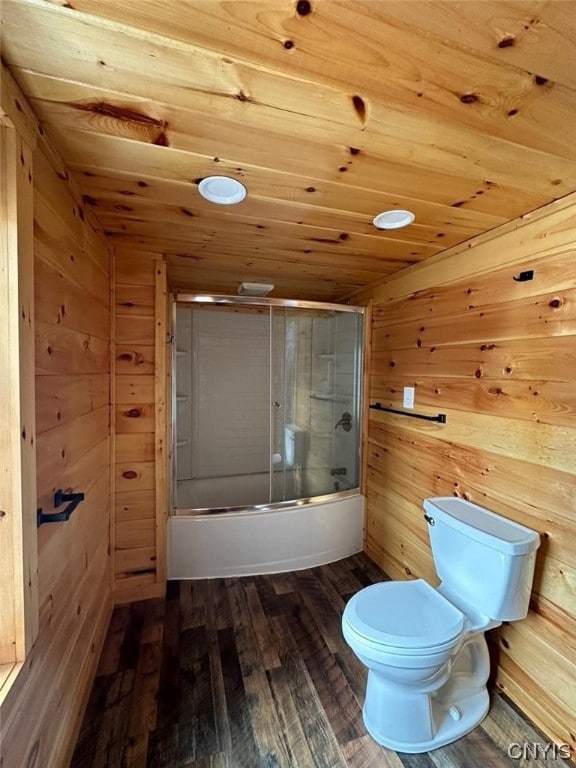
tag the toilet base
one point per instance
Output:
(471, 712)
(407, 719)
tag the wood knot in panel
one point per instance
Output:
(359, 107)
(507, 41)
(303, 7)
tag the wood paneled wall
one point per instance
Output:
(139, 358)
(40, 712)
(498, 357)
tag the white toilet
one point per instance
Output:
(424, 647)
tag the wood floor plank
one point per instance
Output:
(505, 726)
(337, 698)
(344, 581)
(168, 711)
(282, 583)
(368, 567)
(267, 733)
(241, 731)
(88, 736)
(163, 747)
(273, 603)
(330, 590)
(196, 729)
(143, 710)
(261, 628)
(186, 608)
(220, 606)
(361, 577)
(246, 643)
(114, 723)
(254, 672)
(299, 752)
(417, 761)
(222, 725)
(315, 724)
(110, 658)
(365, 753)
(315, 599)
(131, 640)
(476, 751)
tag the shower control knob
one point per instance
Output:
(455, 713)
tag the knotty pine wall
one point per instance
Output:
(140, 495)
(72, 331)
(498, 357)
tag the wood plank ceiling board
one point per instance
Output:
(329, 112)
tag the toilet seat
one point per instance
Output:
(406, 617)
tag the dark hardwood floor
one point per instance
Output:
(254, 672)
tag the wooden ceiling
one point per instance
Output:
(329, 112)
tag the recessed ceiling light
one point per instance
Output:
(222, 190)
(393, 219)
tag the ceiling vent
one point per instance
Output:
(254, 289)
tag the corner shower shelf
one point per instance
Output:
(330, 397)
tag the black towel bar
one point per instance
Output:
(60, 517)
(440, 418)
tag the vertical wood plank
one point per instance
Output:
(113, 439)
(365, 416)
(141, 417)
(161, 425)
(18, 536)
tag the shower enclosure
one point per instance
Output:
(266, 402)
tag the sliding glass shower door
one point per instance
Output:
(222, 406)
(266, 404)
(315, 383)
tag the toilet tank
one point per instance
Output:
(481, 557)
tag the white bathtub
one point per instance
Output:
(253, 542)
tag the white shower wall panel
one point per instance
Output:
(231, 393)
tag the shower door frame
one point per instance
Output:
(222, 299)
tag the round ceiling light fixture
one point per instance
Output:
(222, 190)
(393, 219)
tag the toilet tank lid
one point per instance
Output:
(484, 526)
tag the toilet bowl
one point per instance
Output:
(424, 647)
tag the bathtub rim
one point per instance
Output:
(251, 509)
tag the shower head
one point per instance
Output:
(254, 289)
